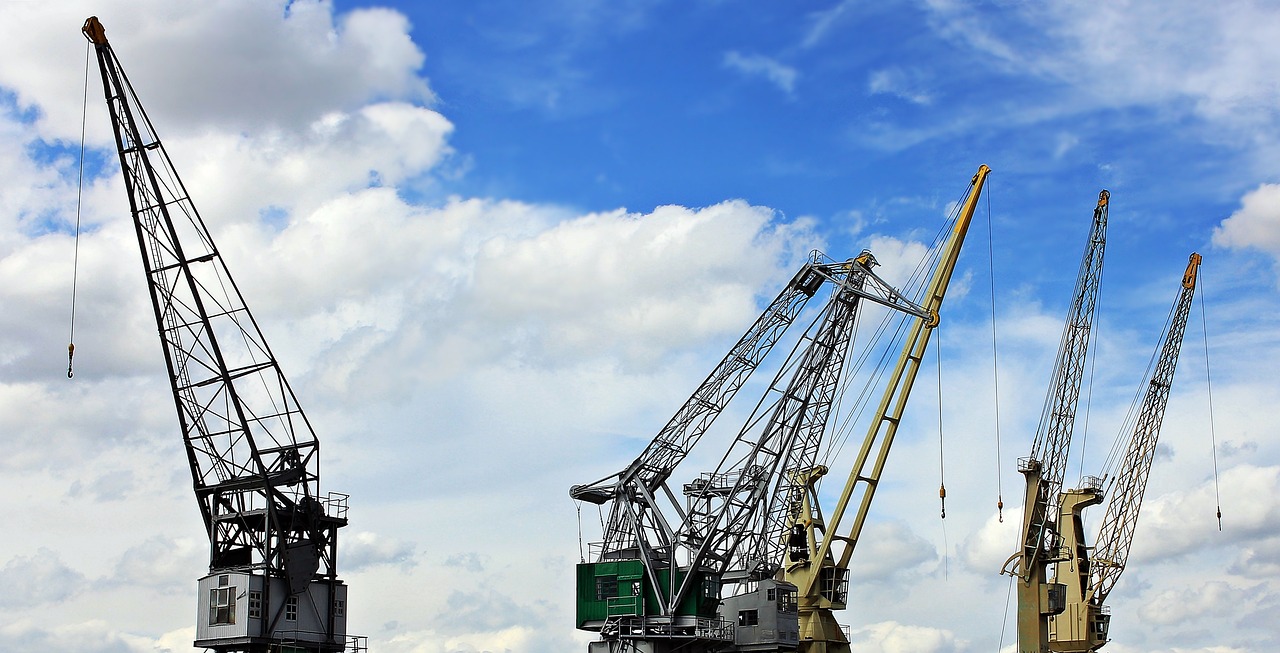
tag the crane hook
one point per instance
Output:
(71, 352)
(942, 494)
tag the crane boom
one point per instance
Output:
(740, 528)
(820, 579)
(1089, 578)
(253, 456)
(1116, 536)
(727, 532)
(1044, 468)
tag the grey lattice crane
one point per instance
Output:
(1044, 468)
(1089, 578)
(656, 579)
(254, 459)
(654, 583)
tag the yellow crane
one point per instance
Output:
(819, 574)
(1043, 469)
(1087, 579)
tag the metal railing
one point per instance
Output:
(308, 640)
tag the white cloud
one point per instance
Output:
(233, 64)
(365, 549)
(1165, 529)
(161, 564)
(889, 552)
(1256, 224)
(986, 549)
(1217, 599)
(1225, 78)
(822, 22)
(894, 637)
(778, 73)
(38, 580)
(907, 84)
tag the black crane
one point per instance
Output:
(254, 459)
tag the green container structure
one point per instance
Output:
(620, 588)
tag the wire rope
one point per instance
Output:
(75, 259)
(1088, 395)
(942, 464)
(1004, 623)
(1208, 379)
(995, 360)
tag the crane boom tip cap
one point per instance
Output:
(1103, 197)
(94, 31)
(1193, 266)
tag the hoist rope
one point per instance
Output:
(1213, 438)
(1120, 445)
(1093, 366)
(995, 361)
(942, 467)
(582, 555)
(942, 464)
(75, 257)
(914, 287)
(1004, 623)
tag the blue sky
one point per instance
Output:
(823, 109)
(494, 245)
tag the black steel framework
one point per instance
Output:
(254, 458)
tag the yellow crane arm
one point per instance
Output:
(896, 392)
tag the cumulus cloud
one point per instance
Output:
(894, 637)
(1214, 599)
(888, 552)
(1255, 225)
(987, 548)
(161, 564)
(470, 562)
(224, 63)
(1164, 530)
(38, 579)
(484, 611)
(364, 549)
(1259, 559)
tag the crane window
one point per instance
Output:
(711, 587)
(339, 608)
(786, 601)
(606, 587)
(255, 605)
(222, 606)
(291, 609)
(748, 617)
